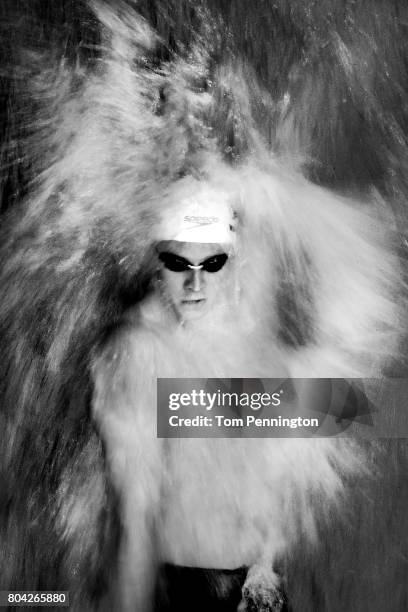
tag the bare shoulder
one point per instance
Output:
(126, 359)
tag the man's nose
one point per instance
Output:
(194, 280)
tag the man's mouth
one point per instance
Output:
(193, 302)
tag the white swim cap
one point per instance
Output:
(200, 214)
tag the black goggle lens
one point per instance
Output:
(175, 263)
(214, 264)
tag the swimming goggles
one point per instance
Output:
(175, 263)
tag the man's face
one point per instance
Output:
(194, 292)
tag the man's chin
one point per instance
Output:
(192, 309)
